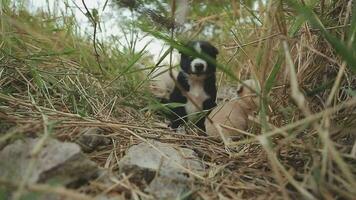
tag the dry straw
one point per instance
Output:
(301, 144)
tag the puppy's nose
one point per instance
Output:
(199, 67)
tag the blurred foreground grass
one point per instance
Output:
(303, 54)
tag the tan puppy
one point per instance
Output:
(234, 113)
(161, 83)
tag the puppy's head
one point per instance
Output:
(195, 64)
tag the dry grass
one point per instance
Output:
(302, 144)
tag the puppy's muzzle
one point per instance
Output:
(198, 66)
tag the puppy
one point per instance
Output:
(196, 88)
(161, 84)
(234, 113)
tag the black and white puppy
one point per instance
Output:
(197, 88)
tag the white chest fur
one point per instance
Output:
(197, 94)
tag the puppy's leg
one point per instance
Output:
(178, 114)
(207, 105)
(178, 117)
(200, 124)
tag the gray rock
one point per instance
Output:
(58, 162)
(92, 138)
(164, 175)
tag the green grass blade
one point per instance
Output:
(340, 48)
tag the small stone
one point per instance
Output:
(92, 138)
(165, 177)
(58, 162)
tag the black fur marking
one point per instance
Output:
(179, 115)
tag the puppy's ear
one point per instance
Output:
(240, 89)
(214, 50)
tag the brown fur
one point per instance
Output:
(234, 113)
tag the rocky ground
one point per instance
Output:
(103, 164)
(162, 170)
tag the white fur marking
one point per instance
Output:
(197, 47)
(197, 94)
(198, 61)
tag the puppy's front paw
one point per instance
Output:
(173, 125)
